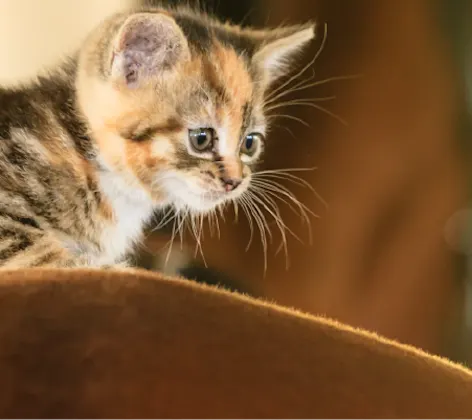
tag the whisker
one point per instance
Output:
(287, 170)
(279, 188)
(299, 101)
(236, 210)
(165, 220)
(222, 214)
(210, 223)
(247, 16)
(259, 219)
(290, 117)
(313, 191)
(193, 232)
(279, 193)
(316, 106)
(286, 129)
(197, 234)
(180, 229)
(243, 202)
(304, 69)
(274, 212)
(305, 84)
(217, 224)
(287, 174)
(171, 241)
(270, 192)
(271, 206)
(280, 174)
(299, 83)
(202, 232)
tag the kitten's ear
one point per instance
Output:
(147, 45)
(278, 49)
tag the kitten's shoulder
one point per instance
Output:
(15, 109)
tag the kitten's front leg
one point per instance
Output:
(28, 247)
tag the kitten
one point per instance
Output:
(160, 107)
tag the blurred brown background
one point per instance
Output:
(381, 255)
(388, 253)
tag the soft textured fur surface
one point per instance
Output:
(90, 151)
(109, 344)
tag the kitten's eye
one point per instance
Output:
(251, 143)
(202, 139)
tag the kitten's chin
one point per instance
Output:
(196, 203)
(185, 199)
(191, 198)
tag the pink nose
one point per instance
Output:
(230, 184)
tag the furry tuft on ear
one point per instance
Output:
(147, 45)
(273, 59)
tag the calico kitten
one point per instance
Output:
(160, 107)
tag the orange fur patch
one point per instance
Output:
(233, 75)
(230, 72)
(140, 160)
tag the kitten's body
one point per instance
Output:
(88, 153)
(53, 192)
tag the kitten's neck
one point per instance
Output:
(132, 208)
(59, 90)
(106, 235)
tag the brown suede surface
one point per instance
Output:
(132, 344)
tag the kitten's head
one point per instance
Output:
(175, 101)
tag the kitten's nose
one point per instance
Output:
(230, 184)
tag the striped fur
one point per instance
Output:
(85, 159)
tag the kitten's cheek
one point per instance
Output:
(163, 148)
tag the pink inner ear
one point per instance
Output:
(148, 45)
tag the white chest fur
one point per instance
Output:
(132, 208)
